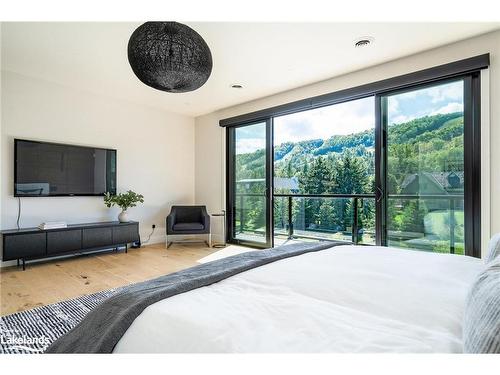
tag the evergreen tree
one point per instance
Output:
(351, 175)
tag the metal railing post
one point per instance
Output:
(241, 213)
(452, 226)
(290, 218)
(355, 220)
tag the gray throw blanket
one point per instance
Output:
(105, 325)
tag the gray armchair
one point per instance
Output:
(188, 220)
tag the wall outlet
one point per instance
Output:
(153, 226)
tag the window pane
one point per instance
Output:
(425, 168)
(328, 150)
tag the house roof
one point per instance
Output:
(442, 179)
(290, 183)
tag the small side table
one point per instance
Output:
(221, 244)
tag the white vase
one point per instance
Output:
(123, 217)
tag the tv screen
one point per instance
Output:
(52, 169)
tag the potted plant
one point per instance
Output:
(124, 201)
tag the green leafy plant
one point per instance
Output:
(123, 200)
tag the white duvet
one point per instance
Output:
(344, 299)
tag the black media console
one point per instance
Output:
(33, 243)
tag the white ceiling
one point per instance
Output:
(266, 58)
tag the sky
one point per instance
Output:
(434, 100)
(353, 117)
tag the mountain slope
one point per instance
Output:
(429, 131)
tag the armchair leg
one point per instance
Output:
(209, 243)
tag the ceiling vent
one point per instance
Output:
(363, 42)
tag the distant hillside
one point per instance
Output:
(429, 129)
(426, 128)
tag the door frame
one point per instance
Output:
(230, 185)
(472, 157)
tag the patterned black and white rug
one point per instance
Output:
(32, 331)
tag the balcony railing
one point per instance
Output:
(355, 200)
(352, 219)
(351, 230)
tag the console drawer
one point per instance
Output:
(96, 237)
(24, 246)
(125, 234)
(64, 241)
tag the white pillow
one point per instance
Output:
(493, 248)
(481, 328)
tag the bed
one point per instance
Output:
(319, 297)
(343, 299)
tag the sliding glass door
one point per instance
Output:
(431, 179)
(397, 168)
(425, 172)
(249, 181)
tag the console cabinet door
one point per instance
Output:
(97, 237)
(64, 241)
(31, 245)
(125, 234)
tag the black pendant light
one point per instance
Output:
(169, 56)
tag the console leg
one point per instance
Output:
(24, 265)
(126, 248)
(18, 262)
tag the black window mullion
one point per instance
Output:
(476, 169)
(472, 165)
(229, 184)
(380, 169)
(269, 182)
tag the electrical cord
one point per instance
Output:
(149, 237)
(18, 212)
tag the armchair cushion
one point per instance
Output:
(188, 226)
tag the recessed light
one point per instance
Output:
(364, 41)
(236, 86)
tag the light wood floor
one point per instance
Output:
(61, 279)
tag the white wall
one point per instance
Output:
(209, 170)
(1, 122)
(155, 151)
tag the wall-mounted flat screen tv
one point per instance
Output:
(53, 169)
